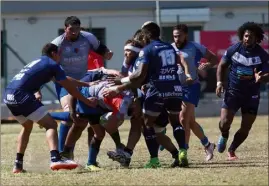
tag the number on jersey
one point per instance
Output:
(168, 57)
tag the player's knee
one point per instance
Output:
(100, 134)
(224, 124)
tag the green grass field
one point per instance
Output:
(250, 169)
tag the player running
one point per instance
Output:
(249, 67)
(192, 53)
(19, 98)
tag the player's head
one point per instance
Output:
(51, 51)
(250, 33)
(180, 35)
(151, 31)
(138, 35)
(131, 50)
(72, 27)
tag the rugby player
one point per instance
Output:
(157, 65)
(19, 98)
(192, 53)
(75, 46)
(248, 68)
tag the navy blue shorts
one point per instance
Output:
(23, 105)
(155, 103)
(247, 101)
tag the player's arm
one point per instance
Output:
(78, 83)
(181, 60)
(133, 81)
(221, 72)
(262, 75)
(72, 101)
(211, 58)
(60, 78)
(97, 46)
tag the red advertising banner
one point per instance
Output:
(219, 41)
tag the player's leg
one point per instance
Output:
(199, 132)
(151, 141)
(185, 118)
(249, 111)
(50, 125)
(73, 135)
(152, 108)
(64, 126)
(173, 106)
(23, 139)
(230, 106)
(99, 134)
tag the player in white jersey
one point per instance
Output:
(192, 52)
(74, 46)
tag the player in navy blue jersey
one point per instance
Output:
(157, 66)
(19, 98)
(248, 65)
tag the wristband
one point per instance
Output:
(219, 83)
(125, 80)
(188, 75)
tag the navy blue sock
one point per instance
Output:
(55, 156)
(62, 116)
(93, 151)
(151, 142)
(179, 135)
(63, 131)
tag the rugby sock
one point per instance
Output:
(116, 138)
(62, 116)
(55, 156)
(63, 131)
(174, 154)
(179, 135)
(93, 151)
(205, 141)
(151, 142)
(19, 161)
(239, 138)
(187, 146)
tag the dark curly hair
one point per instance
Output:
(253, 27)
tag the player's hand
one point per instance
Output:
(189, 81)
(93, 101)
(204, 66)
(114, 80)
(109, 55)
(219, 90)
(94, 83)
(258, 76)
(38, 96)
(111, 92)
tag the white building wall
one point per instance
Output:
(218, 21)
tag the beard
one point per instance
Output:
(181, 45)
